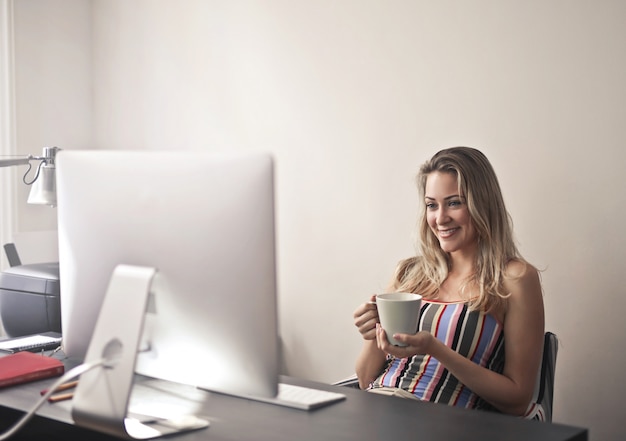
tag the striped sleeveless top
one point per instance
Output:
(474, 334)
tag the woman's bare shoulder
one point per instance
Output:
(519, 269)
(522, 278)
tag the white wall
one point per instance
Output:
(351, 97)
(52, 89)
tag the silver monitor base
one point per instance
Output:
(102, 396)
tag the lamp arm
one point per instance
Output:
(17, 161)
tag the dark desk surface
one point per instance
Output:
(362, 416)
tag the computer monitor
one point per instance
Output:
(205, 222)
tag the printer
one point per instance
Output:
(30, 299)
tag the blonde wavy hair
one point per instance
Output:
(479, 185)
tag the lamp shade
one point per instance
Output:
(43, 190)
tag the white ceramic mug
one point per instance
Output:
(399, 313)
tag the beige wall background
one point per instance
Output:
(351, 97)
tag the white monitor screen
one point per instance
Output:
(206, 223)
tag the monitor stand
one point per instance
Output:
(101, 399)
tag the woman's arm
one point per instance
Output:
(511, 391)
(369, 363)
(371, 359)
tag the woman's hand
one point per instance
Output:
(366, 318)
(420, 343)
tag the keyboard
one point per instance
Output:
(298, 397)
(32, 343)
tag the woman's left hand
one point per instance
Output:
(419, 343)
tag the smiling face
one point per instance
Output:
(447, 214)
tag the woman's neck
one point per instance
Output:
(461, 265)
(456, 287)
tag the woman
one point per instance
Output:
(479, 297)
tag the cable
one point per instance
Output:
(30, 166)
(72, 373)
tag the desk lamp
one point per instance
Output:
(43, 190)
(29, 294)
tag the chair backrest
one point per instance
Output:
(544, 390)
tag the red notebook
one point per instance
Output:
(28, 366)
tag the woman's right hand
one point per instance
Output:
(365, 319)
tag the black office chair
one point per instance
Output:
(544, 390)
(541, 407)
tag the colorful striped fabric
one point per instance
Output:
(474, 334)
